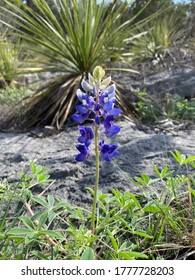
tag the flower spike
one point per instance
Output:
(100, 105)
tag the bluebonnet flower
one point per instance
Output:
(98, 100)
(109, 128)
(84, 151)
(86, 135)
(85, 108)
(107, 151)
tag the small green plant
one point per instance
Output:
(148, 110)
(174, 107)
(179, 108)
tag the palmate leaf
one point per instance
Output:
(88, 254)
(70, 40)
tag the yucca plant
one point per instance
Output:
(9, 61)
(70, 39)
(157, 37)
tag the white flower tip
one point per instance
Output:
(106, 81)
(86, 86)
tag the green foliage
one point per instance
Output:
(153, 7)
(147, 109)
(128, 225)
(174, 107)
(155, 39)
(9, 61)
(76, 38)
(12, 95)
(179, 108)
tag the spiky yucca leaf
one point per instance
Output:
(9, 61)
(157, 37)
(71, 40)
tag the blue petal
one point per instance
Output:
(106, 157)
(80, 157)
(80, 95)
(86, 86)
(89, 133)
(113, 130)
(90, 102)
(108, 105)
(108, 121)
(77, 118)
(81, 109)
(81, 139)
(115, 111)
(112, 96)
(105, 148)
(101, 143)
(97, 107)
(81, 130)
(85, 116)
(112, 148)
(101, 99)
(114, 154)
(94, 90)
(82, 149)
(97, 120)
(111, 89)
(87, 142)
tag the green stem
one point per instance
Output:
(96, 179)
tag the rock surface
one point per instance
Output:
(138, 151)
(174, 76)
